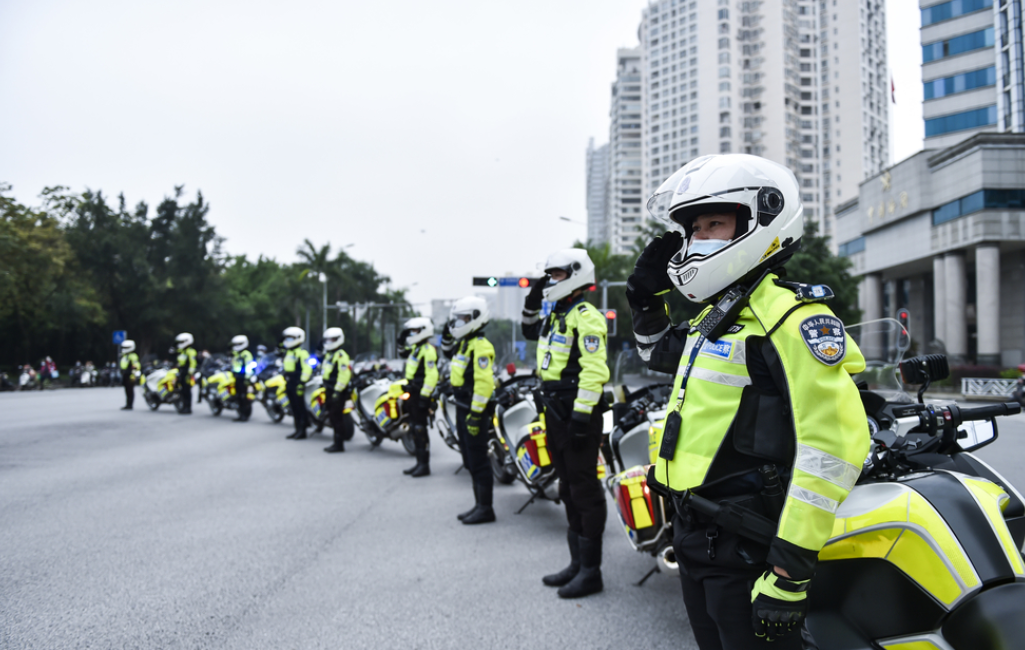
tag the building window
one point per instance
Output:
(724, 132)
(724, 57)
(850, 248)
(724, 147)
(981, 200)
(724, 72)
(724, 43)
(724, 14)
(960, 83)
(986, 116)
(957, 45)
(724, 86)
(952, 9)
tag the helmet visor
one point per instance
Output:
(737, 183)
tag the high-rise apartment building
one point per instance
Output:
(800, 82)
(971, 69)
(597, 192)
(625, 193)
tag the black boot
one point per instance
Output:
(588, 579)
(423, 467)
(563, 577)
(481, 515)
(300, 434)
(476, 501)
(293, 435)
(337, 446)
(412, 469)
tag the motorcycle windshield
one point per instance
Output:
(883, 342)
(631, 371)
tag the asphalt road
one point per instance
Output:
(156, 530)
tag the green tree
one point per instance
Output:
(814, 263)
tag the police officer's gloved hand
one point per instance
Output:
(650, 278)
(579, 429)
(533, 301)
(424, 401)
(448, 342)
(473, 423)
(778, 605)
(329, 395)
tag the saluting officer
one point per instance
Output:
(186, 369)
(337, 372)
(297, 370)
(571, 353)
(421, 378)
(765, 422)
(241, 361)
(473, 383)
(129, 366)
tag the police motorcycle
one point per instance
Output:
(269, 385)
(160, 387)
(505, 425)
(383, 414)
(645, 517)
(27, 380)
(926, 549)
(218, 385)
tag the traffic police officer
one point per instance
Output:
(421, 378)
(571, 357)
(337, 372)
(473, 383)
(766, 433)
(297, 370)
(129, 366)
(241, 360)
(186, 369)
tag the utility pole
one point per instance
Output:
(605, 284)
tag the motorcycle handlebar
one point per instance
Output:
(986, 412)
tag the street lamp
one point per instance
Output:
(581, 223)
(323, 280)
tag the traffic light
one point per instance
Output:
(525, 282)
(490, 281)
(610, 321)
(904, 336)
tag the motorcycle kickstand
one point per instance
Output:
(459, 469)
(647, 575)
(533, 495)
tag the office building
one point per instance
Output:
(597, 192)
(800, 82)
(625, 194)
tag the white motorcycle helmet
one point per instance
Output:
(579, 268)
(183, 340)
(333, 337)
(128, 345)
(770, 220)
(293, 337)
(239, 343)
(468, 315)
(416, 330)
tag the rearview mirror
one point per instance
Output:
(925, 369)
(974, 435)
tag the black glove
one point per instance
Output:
(649, 278)
(329, 395)
(778, 605)
(448, 342)
(424, 401)
(473, 421)
(579, 430)
(533, 301)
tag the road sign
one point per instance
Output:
(495, 281)
(120, 336)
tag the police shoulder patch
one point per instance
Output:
(591, 343)
(824, 335)
(430, 364)
(483, 362)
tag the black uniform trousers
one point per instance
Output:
(417, 419)
(717, 585)
(185, 387)
(126, 381)
(341, 421)
(297, 402)
(576, 465)
(245, 407)
(475, 455)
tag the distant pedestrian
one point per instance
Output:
(129, 366)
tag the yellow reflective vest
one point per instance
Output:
(187, 359)
(240, 362)
(474, 362)
(815, 427)
(422, 368)
(337, 368)
(296, 365)
(130, 361)
(571, 345)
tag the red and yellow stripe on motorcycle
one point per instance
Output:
(634, 500)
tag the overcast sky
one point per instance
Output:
(443, 139)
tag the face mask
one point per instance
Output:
(706, 246)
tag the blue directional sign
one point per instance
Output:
(120, 336)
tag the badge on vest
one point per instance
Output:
(591, 343)
(824, 336)
(482, 362)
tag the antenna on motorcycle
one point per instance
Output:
(924, 370)
(511, 369)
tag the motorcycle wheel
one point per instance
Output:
(503, 473)
(275, 412)
(179, 404)
(409, 443)
(215, 406)
(374, 438)
(152, 402)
